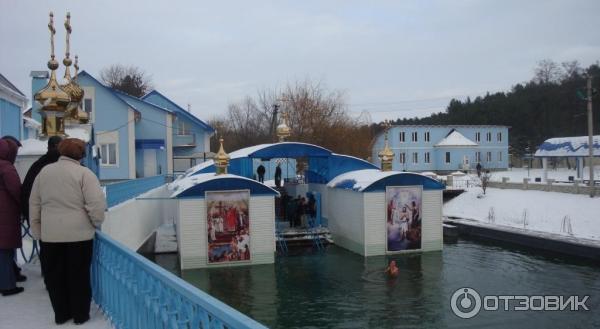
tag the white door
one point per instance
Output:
(149, 163)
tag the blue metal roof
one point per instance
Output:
(181, 111)
(196, 186)
(374, 180)
(290, 150)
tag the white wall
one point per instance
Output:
(193, 234)
(23, 163)
(432, 236)
(346, 219)
(132, 222)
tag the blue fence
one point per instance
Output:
(136, 293)
(126, 190)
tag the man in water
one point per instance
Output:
(392, 270)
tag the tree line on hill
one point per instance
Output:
(552, 104)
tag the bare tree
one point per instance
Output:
(485, 180)
(571, 70)
(547, 71)
(128, 79)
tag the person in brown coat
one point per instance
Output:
(10, 221)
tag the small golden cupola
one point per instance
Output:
(221, 160)
(53, 99)
(386, 155)
(283, 130)
(74, 113)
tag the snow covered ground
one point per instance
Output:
(516, 175)
(31, 309)
(531, 210)
(166, 239)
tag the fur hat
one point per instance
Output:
(73, 148)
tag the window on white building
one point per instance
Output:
(87, 106)
(427, 137)
(499, 136)
(402, 137)
(499, 156)
(447, 157)
(415, 136)
(182, 128)
(108, 154)
(402, 157)
(477, 156)
(488, 157)
(488, 137)
(478, 137)
(415, 157)
(427, 159)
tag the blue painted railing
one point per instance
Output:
(126, 190)
(136, 293)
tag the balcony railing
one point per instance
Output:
(184, 140)
(136, 293)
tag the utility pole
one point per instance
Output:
(590, 133)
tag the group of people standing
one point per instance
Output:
(64, 203)
(299, 211)
(260, 171)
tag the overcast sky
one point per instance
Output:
(391, 58)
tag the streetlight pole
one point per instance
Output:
(590, 133)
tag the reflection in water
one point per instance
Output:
(338, 289)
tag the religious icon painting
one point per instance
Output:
(228, 226)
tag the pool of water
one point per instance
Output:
(339, 289)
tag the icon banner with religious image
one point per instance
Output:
(403, 213)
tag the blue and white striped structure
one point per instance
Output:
(567, 147)
(445, 148)
(136, 293)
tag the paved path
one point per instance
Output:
(31, 309)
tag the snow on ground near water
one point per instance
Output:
(545, 210)
(516, 175)
(31, 309)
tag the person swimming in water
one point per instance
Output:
(392, 270)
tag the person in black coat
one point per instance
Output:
(51, 156)
(261, 173)
(278, 175)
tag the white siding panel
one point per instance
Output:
(346, 220)
(262, 230)
(375, 226)
(432, 238)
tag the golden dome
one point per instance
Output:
(386, 155)
(221, 160)
(283, 130)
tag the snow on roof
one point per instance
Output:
(33, 146)
(81, 132)
(568, 147)
(456, 139)
(185, 183)
(361, 178)
(32, 123)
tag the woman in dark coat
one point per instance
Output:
(10, 226)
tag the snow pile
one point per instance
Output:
(456, 139)
(531, 210)
(33, 147)
(166, 239)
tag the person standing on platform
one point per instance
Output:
(71, 199)
(10, 221)
(261, 173)
(51, 156)
(20, 277)
(278, 175)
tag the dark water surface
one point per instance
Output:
(339, 289)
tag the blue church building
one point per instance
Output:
(12, 104)
(445, 148)
(135, 137)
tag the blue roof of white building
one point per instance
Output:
(197, 185)
(568, 147)
(372, 180)
(179, 110)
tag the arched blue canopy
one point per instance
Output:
(371, 180)
(323, 164)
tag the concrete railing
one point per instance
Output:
(127, 190)
(136, 293)
(577, 187)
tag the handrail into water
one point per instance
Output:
(136, 293)
(126, 190)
